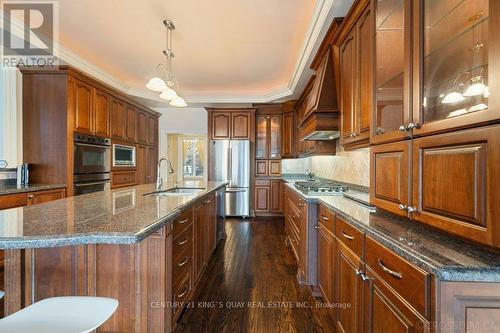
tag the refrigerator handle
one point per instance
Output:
(230, 164)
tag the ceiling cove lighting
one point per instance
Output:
(166, 84)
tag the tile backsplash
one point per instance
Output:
(346, 166)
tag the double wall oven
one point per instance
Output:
(92, 163)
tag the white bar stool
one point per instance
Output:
(78, 314)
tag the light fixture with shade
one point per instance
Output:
(166, 84)
(178, 102)
(476, 87)
(454, 96)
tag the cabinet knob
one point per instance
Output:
(31, 196)
(316, 227)
(403, 207)
(402, 128)
(413, 125)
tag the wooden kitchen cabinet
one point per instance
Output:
(240, 125)
(392, 71)
(118, 119)
(268, 197)
(152, 130)
(356, 76)
(261, 168)
(456, 180)
(274, 167)
(268, 141)
(83, 107)
(45, 196)
(13, 200)
(231, 124)
(92, 110)
(101, 113)
(276, 202)
(288, 135)
(123, 178)
(199, 227)
(454, 49)
(152, 165)
(211, 226)
(390, 175)
(142, 127)
(141, 157)
(350, 290)
(385, 312)
(262, 197)
(130, 123)
(326, 260)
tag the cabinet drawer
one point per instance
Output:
(123, 178)
(182, 222)
(45, 196)
(183, 241)
(13, 200)
(262, 182)
(182, 265)
(349, 236)
(327, 218)
(409, 281)
(180, 295)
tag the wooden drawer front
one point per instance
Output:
(182, 265)
(262, 182)
(182, 222)
(45, 196)
(349, 236)
(182, 242)
(456, 181)
(407, 280)
(13, 200)
(180, 295)
(294, 241)
(327, 218)
(123, 178)
(296, 199)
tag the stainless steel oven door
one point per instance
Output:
(91, 158)
(91, 187)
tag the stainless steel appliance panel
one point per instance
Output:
(219, 163)
(237, 202)
(240, 163)
(91, 187)
(123, 156)
(220, 198)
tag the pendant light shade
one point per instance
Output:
(453, 97)
(168, 94)
(476, 88)
(156, 84)
(178, 102)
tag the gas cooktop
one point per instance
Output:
(320, 188)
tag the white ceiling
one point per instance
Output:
(226, 50)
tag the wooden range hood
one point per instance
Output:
(322, 117)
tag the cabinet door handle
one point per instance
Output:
(403, 207)
(397, 275)
(186, 288)
(31, 196)
(182, 242)
(208, 201)
(324, 218)
(316, 227)
(186, 259)
(184, 221)
(347, 236)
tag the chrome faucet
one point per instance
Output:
(159, 179)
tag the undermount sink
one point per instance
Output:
(177, 191)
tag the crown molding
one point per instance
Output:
(320, 15)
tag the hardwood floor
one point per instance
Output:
(251, 268)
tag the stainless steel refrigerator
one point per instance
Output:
(230, 161)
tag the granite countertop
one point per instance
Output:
(448, 258)
(120, 216)
(6, 188)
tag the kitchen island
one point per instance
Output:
(146, 249)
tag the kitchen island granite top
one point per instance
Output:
(120, 216)
(447, 257)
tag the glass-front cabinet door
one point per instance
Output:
(275, 137)
(262, 144)
(392, 75)
(456, 45)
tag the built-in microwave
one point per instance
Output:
(123, 156)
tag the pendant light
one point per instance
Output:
(454, 96)
(166, 84)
